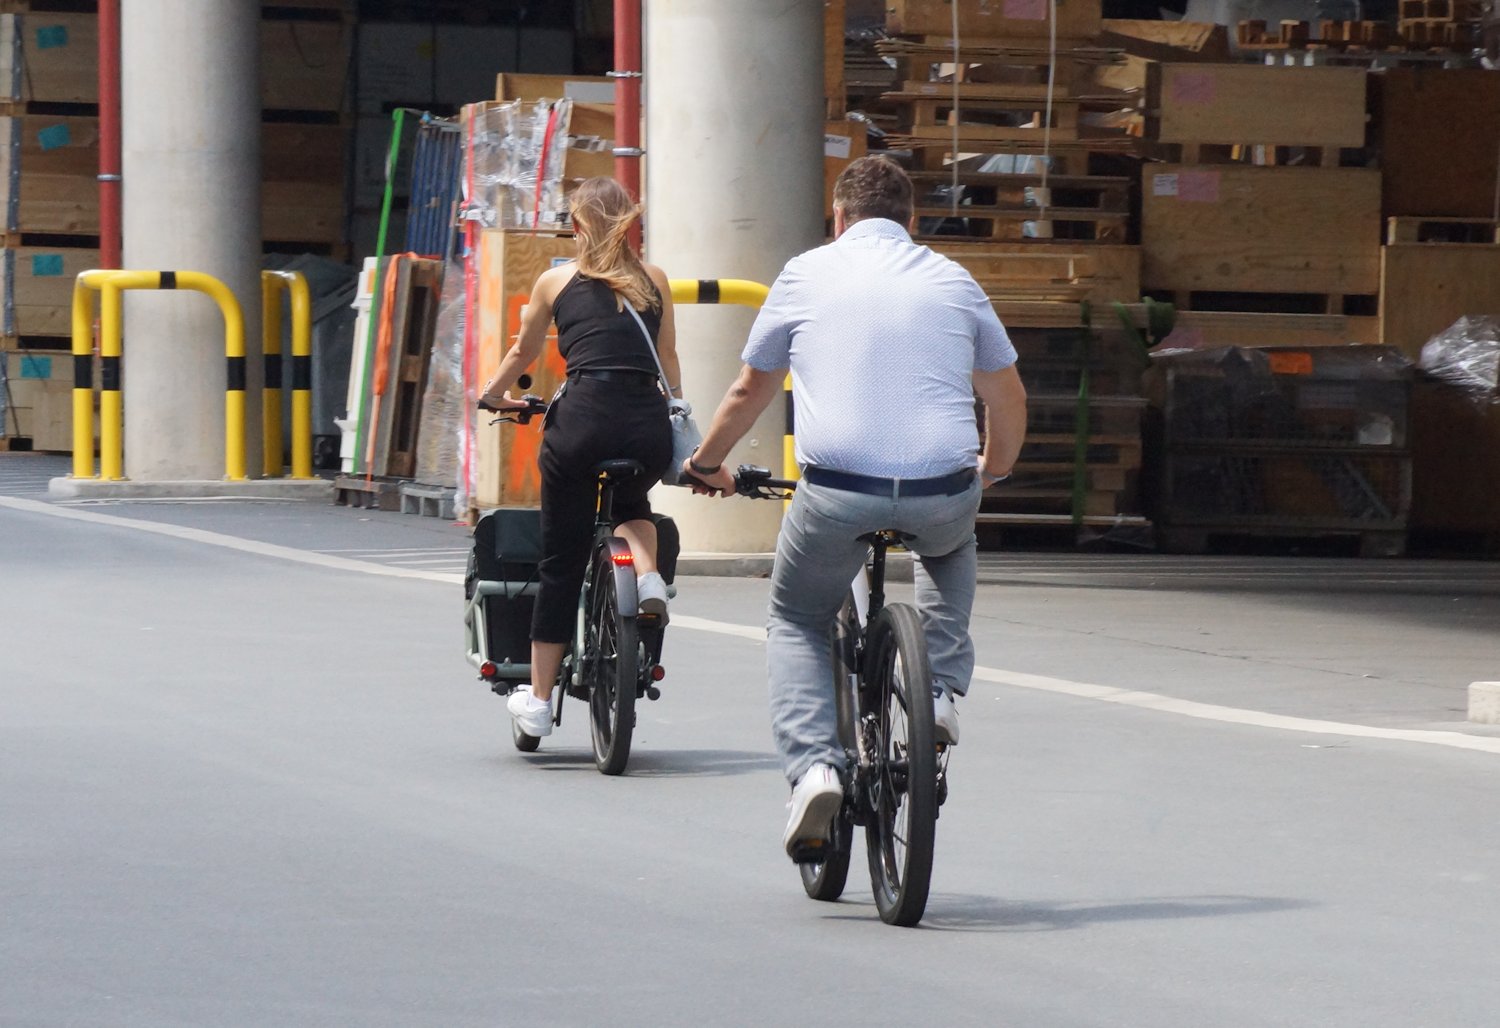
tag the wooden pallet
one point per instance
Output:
(372, 494)
(1009, 207)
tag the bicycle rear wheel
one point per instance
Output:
(896, 710)
(826, 881)
(612, 657)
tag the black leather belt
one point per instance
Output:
(942, 485)
(616, 375)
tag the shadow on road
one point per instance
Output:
(952, 912)
(699, 763)
(661, 763)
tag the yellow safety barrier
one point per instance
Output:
(273, 285)
(111, 284)
(747, 294)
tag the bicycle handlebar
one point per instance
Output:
(516, 415)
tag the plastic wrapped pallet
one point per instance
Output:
(444, 405)
(515, 154)
(1467, 355)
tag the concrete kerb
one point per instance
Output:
(1484, 703)
(254, 488)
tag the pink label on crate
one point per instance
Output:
(1198, 186)
(1193, 87)
(1026, 10)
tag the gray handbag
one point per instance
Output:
(685, 434)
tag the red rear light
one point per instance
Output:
(487, 669)
(623, 558)
(658, 673)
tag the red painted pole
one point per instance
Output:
(109, 133)
(627, 76)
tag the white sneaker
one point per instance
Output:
(815, 800)
(533, 716)
(944, 717)
(652, 591)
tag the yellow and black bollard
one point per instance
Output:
(273, 284)
(111, 284)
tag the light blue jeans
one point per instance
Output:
(817, 556)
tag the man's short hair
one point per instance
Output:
(873, 187)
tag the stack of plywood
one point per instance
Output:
(1253, 213)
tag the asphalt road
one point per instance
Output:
(242, 787)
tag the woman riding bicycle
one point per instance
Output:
(611, 407)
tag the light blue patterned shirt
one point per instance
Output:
(882, 337)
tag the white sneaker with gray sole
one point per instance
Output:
(816, 799)
(532, 716)
(652, 591)
(944, 718)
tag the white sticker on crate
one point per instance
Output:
(836, 146)
(1164, 185)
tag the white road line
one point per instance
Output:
(998, 676)
(230, 542)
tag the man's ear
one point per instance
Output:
(838, 221)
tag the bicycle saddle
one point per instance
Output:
(620, 469)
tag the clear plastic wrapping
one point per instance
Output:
(1467, 355)
(517, 150)
(444, 405)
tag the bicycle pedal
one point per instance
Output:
(811, 851)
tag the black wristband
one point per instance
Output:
(699, 469)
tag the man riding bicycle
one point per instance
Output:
(887, 343)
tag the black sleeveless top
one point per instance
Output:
(595, 334)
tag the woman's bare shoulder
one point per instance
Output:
(551, 282)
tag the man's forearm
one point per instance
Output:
(1004, 417)
(745, 401)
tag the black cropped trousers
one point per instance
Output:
(593, 421)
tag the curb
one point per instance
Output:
(250, 489)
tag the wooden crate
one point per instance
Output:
(39, 403)
(52, 163)
(304, 65)
(36, 289)
(505, 471)
(1021, 19)
(1261, 230)
(589, 89)
(49, 57)
(1435, 129)
(1426, 287)
(53, 57)
(1249, 103)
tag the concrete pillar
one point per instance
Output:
(734, 187)
(190, 89)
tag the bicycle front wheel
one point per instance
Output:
(896, 712)
(612, 659)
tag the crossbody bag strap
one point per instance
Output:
(666, 387)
